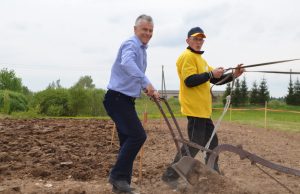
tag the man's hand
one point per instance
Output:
(218, 72)
(239, 71)
(150, 91)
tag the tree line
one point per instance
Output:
(258, 94)
(82, 99)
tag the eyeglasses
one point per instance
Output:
(197, 39)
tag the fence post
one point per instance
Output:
(266, 108)
(113, 135)
(230, 112)
(141, 154)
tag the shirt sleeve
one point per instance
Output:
(129, 58)
(196, 79)
(226, 78)
(188, 68)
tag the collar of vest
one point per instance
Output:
(198, 52)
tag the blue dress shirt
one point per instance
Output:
(128, 71)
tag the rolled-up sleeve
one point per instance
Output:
(145, 82)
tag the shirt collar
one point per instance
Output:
(140, 43)
(198, 52)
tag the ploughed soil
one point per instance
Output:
(74, 156)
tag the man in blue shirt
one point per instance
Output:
(126, 82)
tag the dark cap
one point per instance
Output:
(196, 31)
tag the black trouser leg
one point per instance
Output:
(130, 131)
(213, 144)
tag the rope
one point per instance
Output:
(228, 100)
(281, 184)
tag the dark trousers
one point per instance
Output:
(121, 109)
(199, 131)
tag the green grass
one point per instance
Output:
(2, 116)
(275, 120)
(284, 121)
(152, 109)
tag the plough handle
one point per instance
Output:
(170, 127)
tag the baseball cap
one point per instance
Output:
(196, 31)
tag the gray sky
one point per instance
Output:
(44, 41)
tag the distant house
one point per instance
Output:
(169, 93)
(175, 93)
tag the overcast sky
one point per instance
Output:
(43, 41)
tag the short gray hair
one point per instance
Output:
(143, 17)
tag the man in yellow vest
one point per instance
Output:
(195, 98)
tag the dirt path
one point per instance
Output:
(74, 156)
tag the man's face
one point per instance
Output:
(144, 30)
(195, 42)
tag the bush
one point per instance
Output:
(30, 113)
(52, 102)
(276, 104)
(12, 102)
(55, 110)
(86, 102)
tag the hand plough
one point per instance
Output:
(187, 166)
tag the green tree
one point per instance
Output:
(227, 92)
(254, 94)
(263, 93)
(82, 99)
(85, 82)
(9, 81)
(85, 100)
(244, 92)
(54, 85)
(96, 105)
(79, 100)
(297, 92)
(236, 97)
(289, 99)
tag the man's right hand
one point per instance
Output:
(218, 72)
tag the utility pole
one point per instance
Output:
(163, 83)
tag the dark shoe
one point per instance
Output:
(170, 174)
(120, 185)
(170, 177)
(115, 190)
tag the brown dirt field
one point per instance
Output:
(73, 156)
